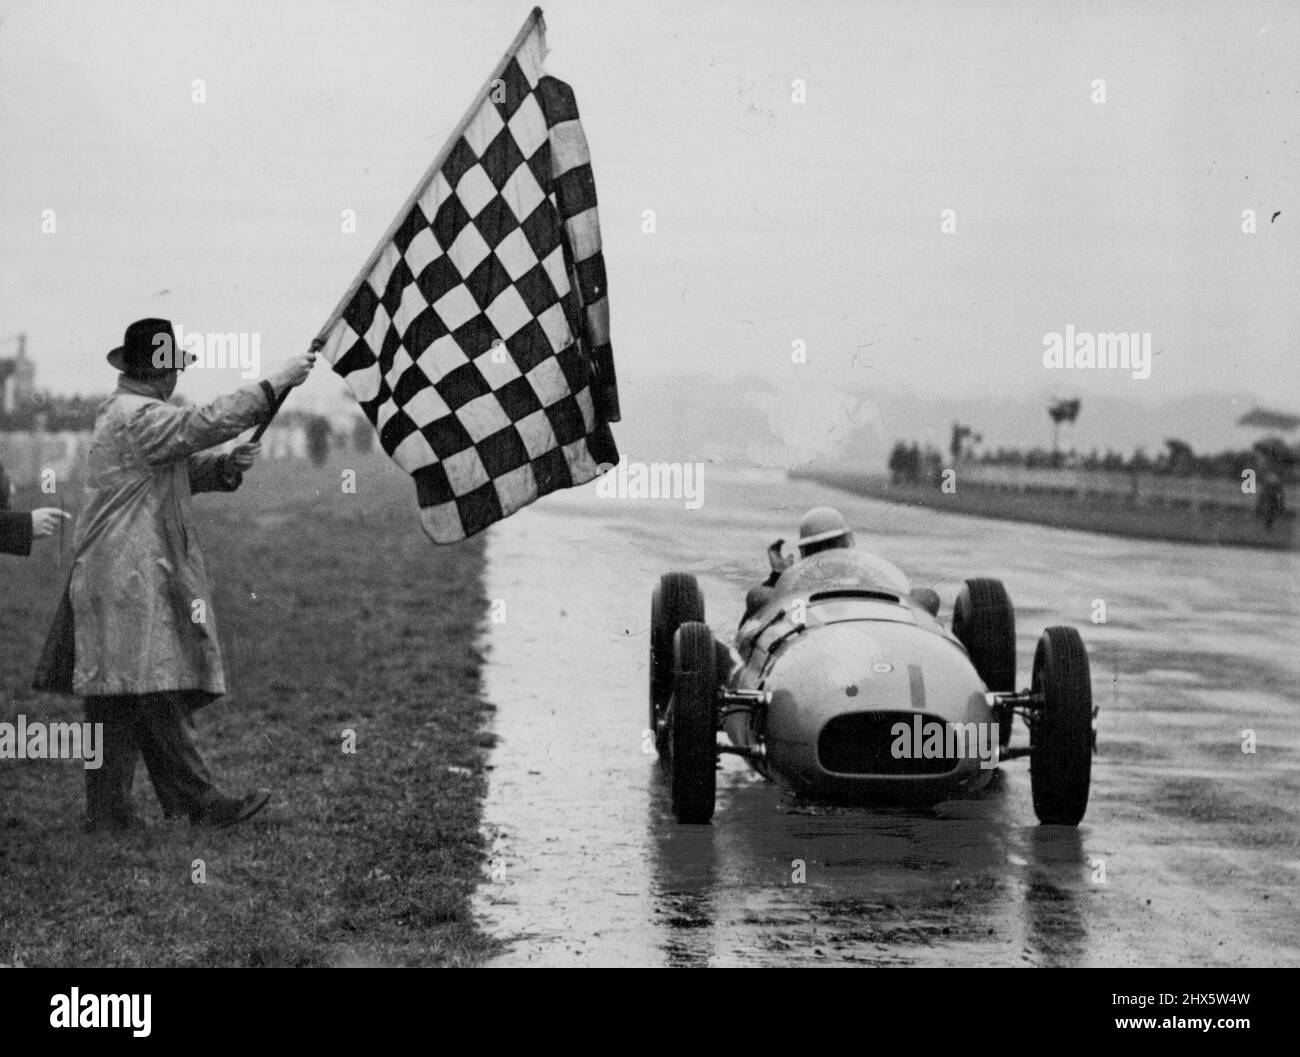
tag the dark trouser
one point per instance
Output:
(159, 728)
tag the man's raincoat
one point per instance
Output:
(136, 616)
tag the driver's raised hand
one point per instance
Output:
(777, 559)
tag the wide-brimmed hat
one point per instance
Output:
(149, 349)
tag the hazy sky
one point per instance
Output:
(775, 221)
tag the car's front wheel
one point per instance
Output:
(693, 724)
(1060, 731)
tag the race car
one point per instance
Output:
(844, 686)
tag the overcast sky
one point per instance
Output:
(775, 220)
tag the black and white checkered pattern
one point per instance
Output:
(478, 344)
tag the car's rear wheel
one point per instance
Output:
(676, 601)
(1060, 734)
(693, 724)
(985, 623)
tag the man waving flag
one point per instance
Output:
(476, 337)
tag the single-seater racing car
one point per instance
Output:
(844, 686)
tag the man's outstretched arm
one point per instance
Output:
(166, 433)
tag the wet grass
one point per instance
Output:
(336, 614)
(1107, 516)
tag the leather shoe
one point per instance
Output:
(229, 810)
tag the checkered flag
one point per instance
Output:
(476, 338)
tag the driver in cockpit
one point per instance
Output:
(827, 559)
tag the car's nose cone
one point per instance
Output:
(838, 694)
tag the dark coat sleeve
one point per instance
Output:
(213, 473)
(15, 532)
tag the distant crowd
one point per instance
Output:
(55, 413)
(915, 464)
(1273, 463)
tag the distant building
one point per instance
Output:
(17, 378)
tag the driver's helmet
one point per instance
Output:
(822, 528)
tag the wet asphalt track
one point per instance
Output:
(1189, 854)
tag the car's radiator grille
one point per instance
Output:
(862, 743)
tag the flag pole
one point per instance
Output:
(275, 410)
(534, 20)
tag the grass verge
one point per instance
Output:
(336, 613)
